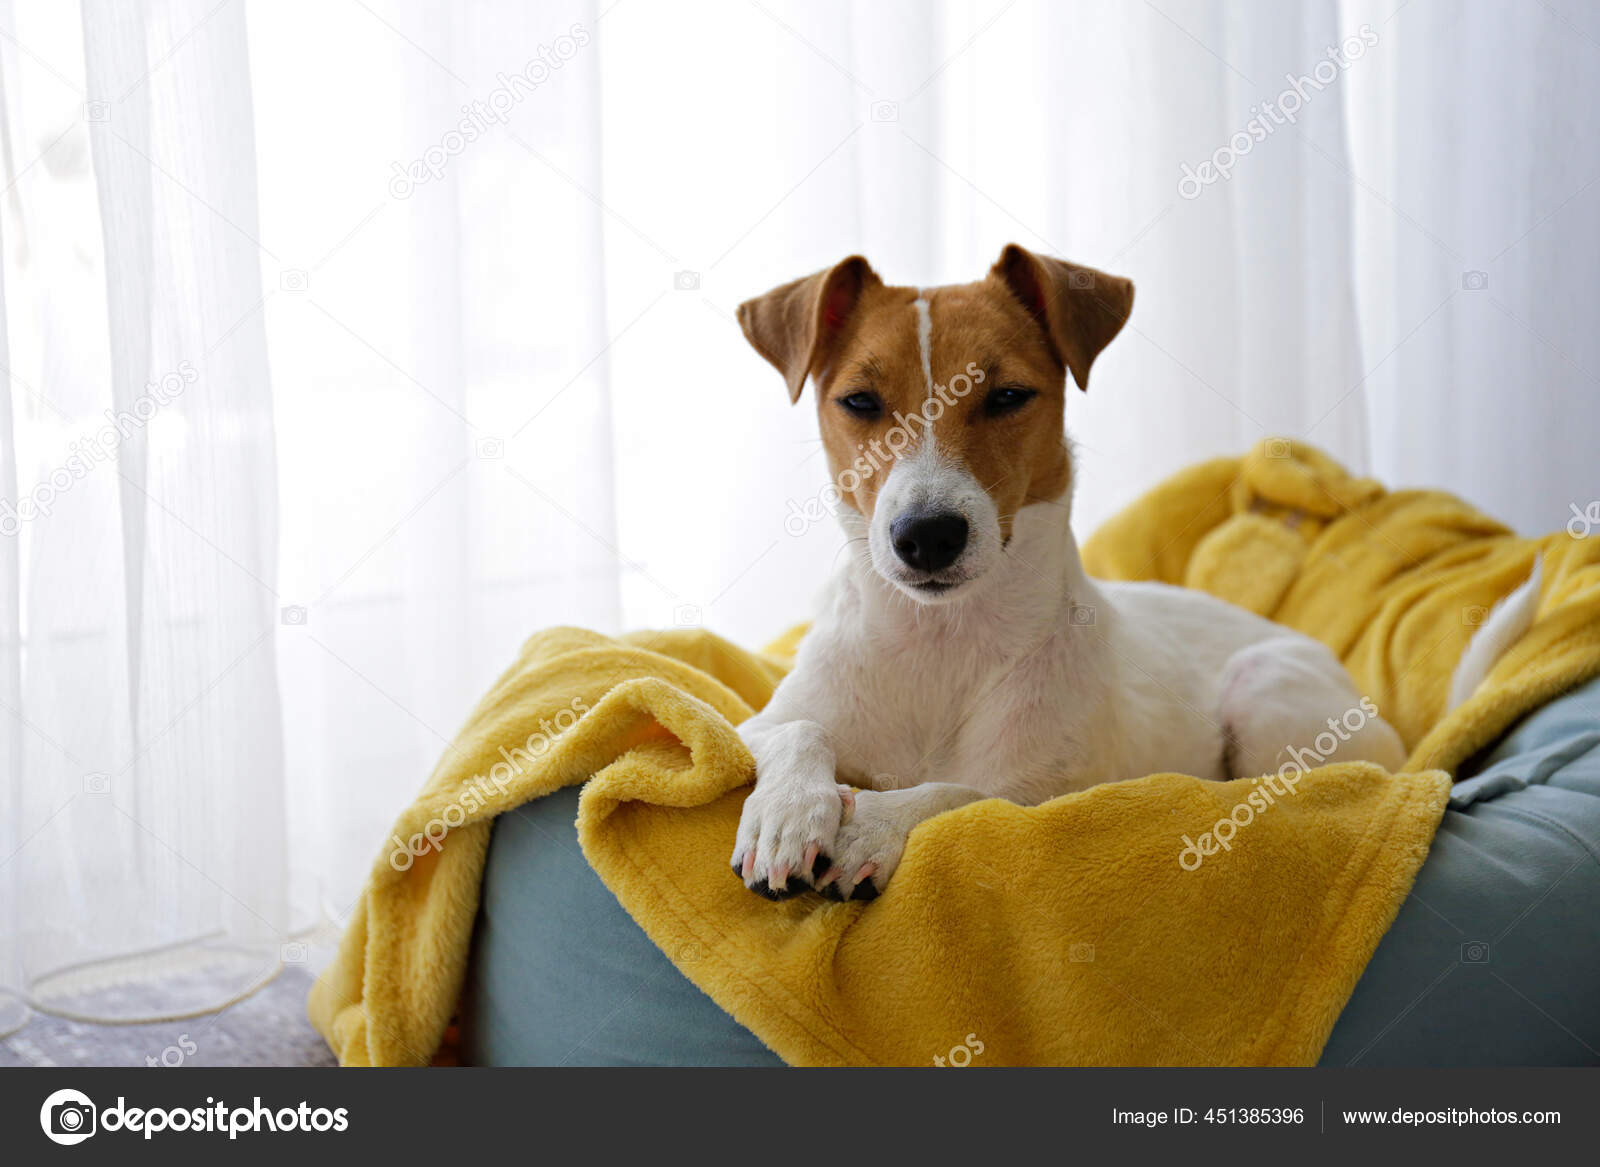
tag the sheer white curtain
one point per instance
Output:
(1477, 135)
(439, 344)
(144, 829)
(441, 297)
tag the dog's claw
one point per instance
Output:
(860, 893)
(832, 886)
(864, 888)
(766, 891)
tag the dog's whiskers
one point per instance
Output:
(998, 481)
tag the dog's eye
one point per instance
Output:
(1007, 399)
(862, 404)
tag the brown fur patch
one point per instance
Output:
(1018, 457)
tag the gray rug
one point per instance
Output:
(267, 1029)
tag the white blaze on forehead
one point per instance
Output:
(925, 337)
(925, 344)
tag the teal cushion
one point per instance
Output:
(1493, 959)
(562, 976)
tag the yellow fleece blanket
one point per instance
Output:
(1083, 931)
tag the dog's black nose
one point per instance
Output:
(929, 542)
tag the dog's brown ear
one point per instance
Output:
(1080, 309)
(798, 326)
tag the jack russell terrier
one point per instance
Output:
(961, 652)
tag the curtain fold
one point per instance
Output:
(148, 873)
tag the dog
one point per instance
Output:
(960, 651)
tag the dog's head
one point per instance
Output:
(941, 408)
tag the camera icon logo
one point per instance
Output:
(885, 111)
(1080, 281)
(293, 280)
(293, 952)
(686, 615)
(1080, 953)
(97, 111)
(1474, 614)
(686, 281)
(1475, 952)
(1278, 448)
(1474, 281)
(97, 783)
(67, 1117)
(1081, 615)
(489, 448)
(293, 614)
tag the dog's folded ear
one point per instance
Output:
(798, 326)
(1080, 309)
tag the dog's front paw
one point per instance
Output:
(783, 831)
(866, 849)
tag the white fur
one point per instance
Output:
(925, 339)
(1511, 617)
(1031, 681)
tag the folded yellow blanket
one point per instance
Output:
(1122, 925)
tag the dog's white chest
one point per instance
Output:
(953, 713)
